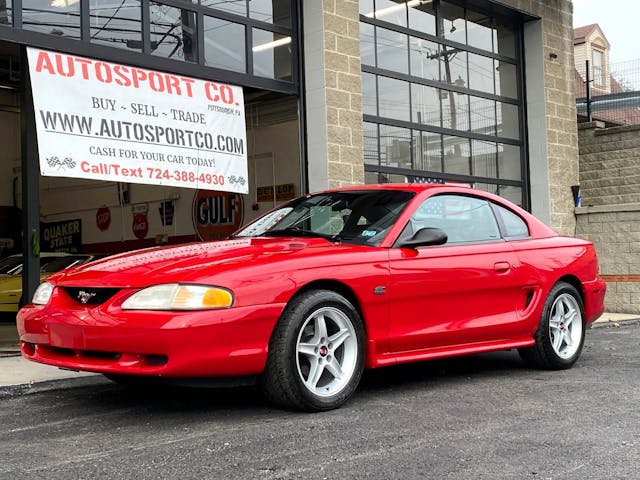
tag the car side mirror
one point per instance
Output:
(425, 237)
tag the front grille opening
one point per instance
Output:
(100, 355)
(90, 296)
(157, 360)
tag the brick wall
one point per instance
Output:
(610, 212)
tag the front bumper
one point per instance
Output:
(213, 343)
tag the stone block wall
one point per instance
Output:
(610, 211)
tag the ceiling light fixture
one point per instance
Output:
(269, 45)
(394, 8)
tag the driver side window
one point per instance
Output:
(463, 218)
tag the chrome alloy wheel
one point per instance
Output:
(326, 351)
(565, 326)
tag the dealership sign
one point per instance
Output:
(65, 236)
(107, 121)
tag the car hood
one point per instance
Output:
(191, 262)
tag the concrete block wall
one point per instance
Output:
(610, 212)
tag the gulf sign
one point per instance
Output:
(216, 215)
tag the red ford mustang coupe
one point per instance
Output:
(310, 294)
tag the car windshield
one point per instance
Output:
(62, 262)
(360, 217)
(7, 265)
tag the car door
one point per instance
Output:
(465, 291)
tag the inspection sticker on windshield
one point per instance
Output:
(368, 233)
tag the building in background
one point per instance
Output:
(336, 92)
(609, 149)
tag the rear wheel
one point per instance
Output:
(560, 335)
(316, 353)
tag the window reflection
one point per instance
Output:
(173, 32)
(426, 104)
(277, 12)
(393, 99)
(224, 45)
(483, 115)
(481, 73)
(509, 165)
(508, 120)
(57, 17)
(238, 7)
(457, 153)
(506, 80)
(422, 17)
(428, 151)
(453, 23)
(271, 54)
(390, 11)
(116, 24)
(484, 159)
(395, 146)
(392, 50)
(424, 57)
(6, 17)
(367, 45)
(370, 143)
(479, 30)
(369, 94)
(455, 110)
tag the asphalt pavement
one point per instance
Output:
(478, 417)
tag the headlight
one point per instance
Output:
(42, 294)
(174, 296)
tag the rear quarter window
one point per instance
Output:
(514, 225)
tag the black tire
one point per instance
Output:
(558, 346)
(297, 350)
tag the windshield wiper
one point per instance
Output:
(298, 232)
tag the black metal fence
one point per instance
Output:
(609, 93)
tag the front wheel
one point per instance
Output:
(560, 335)
(316, 353)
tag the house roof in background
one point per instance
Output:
(580, 34)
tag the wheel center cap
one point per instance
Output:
(323, 351)
(561, 326)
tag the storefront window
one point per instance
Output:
(5, 12)
(237, 7)
(271, 54)
(173, 32)
(56, 17)
(459, 97)
(116, 25)
(224, 45)
(277, 12)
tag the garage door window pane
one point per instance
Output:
(117, 25)
(271, 55)
(393, 99)
(392, 50)
(277, 12)
(173, 32)
(53, 17)
(224, 45)
(237, 7)
(395, 146)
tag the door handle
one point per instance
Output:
(502, 267)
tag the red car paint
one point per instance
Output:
(416, 303)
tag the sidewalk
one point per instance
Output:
(18, 376)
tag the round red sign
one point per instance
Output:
(216, 215)
(140, 225)
(103, 218)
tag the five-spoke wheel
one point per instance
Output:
(560, 335)
(316, 353)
